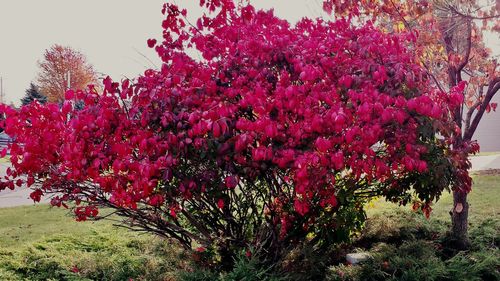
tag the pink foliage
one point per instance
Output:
(307, 108)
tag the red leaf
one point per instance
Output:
(301, 207)
(216, 129)
(231, 182)
(3, 152)
(36, 195)
(220, 203)
(30, 181)
(70, 94)
(151, 43)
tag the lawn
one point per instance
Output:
(483, 201)
(44, 243)
(28, 224)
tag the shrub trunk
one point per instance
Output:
(459, 220)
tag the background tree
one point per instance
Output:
(32, 94)
(451, 47)
(53, 78)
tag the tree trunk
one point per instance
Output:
(459, 220)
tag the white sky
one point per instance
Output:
(111, 33)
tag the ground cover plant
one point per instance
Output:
(274, 139)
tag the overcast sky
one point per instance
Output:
(111, 33)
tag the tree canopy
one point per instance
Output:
(63, 68)
(451, 47)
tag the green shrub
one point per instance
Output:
(486, 234)
(415, 260)
(245, 269)
(475, 266)
(98, 257)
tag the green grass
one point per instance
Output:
(26, 224)
(44, 243)
(483, 202)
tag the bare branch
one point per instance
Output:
(470, 17)
(433, 77)
(493, 88)
(469, 114)
(468, 48)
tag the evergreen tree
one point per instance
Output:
(32, 93)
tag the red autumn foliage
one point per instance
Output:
(279, 133)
